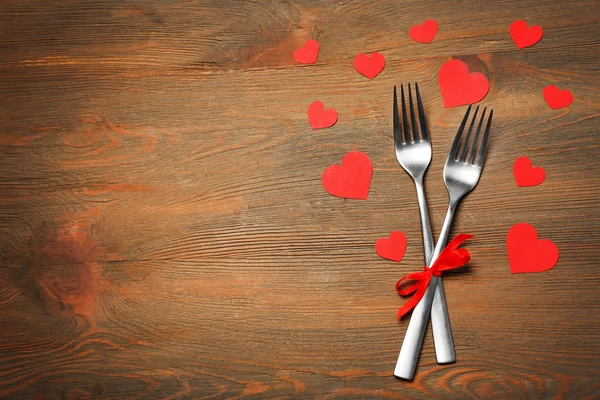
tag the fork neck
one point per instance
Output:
(418, 178)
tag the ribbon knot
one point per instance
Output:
(451, 257)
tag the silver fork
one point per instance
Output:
(414, 155)
(461, 174)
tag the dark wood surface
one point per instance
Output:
(164, 232)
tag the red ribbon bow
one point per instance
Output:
(451, 257)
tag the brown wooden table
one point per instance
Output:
(164, 232)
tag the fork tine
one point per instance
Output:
(474, 148)
(413, 120)
(397, 128)
(423, 123)
(404, 118)
(456, 144)
(483, 149)
(465, 146)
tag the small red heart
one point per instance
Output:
(352, 179)
(458, 86)
(307, 54)
(392, 248)
(557, 98)
(369, 66)
(319, 118)
(528, 254)
(525, 174)
(524, 36)
(424, 33)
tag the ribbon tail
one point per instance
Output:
(457, 241)
(414, 300)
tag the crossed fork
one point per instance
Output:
(461, 174)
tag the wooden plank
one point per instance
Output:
(164, 232)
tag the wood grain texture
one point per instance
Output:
(163, 229)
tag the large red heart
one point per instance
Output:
(458, 86)
(528, 254)
(525, 174)
(352, 179)
(524, 36)
(424, 33)
(392, 248)
(557, 98)
(369, 66)
(319, 118)
(307, 54)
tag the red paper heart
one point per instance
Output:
(369, 66)
(557, 98)
(352, 179)
(458, 86)
(528, 254)
(319, 118)
(525, 174)
(392, 248)
(307, 54)
(424, 33)
(524, 36)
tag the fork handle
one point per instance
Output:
(440, 322)
(413, 340)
